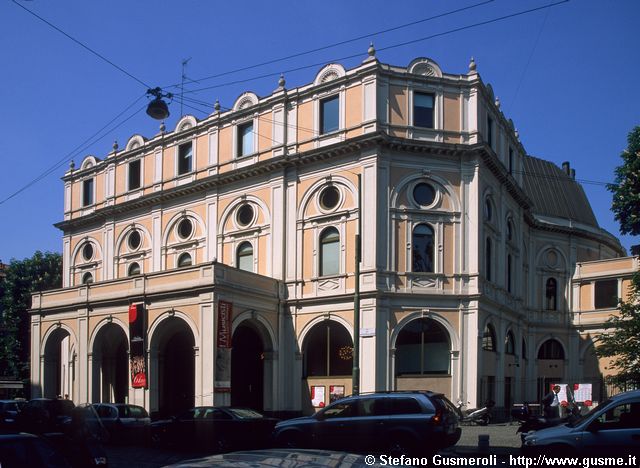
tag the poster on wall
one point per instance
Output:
(137, 339)
(318, 396)
(578, 393)
(222, 383)
(335, 392)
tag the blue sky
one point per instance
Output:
(567, 76)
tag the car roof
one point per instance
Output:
(19, 435)
(625, 395)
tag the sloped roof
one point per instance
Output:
(554, 193)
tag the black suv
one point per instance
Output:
(394, 423)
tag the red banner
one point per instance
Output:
(137, 339)
(224, 324)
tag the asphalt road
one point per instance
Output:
(503, 440)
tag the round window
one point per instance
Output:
(244, 216)
(329, 198)
(134, 239)
(185, 228)
(424, 194)
(87, 251)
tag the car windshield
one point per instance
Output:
(582, 418)
(245, 413)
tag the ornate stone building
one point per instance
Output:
(241, 227)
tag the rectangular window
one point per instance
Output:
(329, 115)
(245, 139)
(490, 131)
(87, 192)
(185, 158)
(606, 294)
(423, 110)
(134, 174)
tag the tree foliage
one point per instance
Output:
(626, 189)
(621, 341)
(40, 272)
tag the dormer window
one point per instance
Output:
(185, 158)
(134, 174)
(329, 114)
(245, 139)
(423, 110)
(87, 192)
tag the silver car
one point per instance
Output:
(610, 428)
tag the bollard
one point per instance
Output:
(483, 442)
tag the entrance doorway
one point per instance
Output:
(173, 346)
(110, 365)
(247, 368)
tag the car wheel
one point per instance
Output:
(223, 445)
(155, 439)
(401, 445)
(484, 421)
(290, 440)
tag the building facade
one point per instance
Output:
(242, 227)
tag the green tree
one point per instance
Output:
(40, 272)
(626, 189)
(621, 341)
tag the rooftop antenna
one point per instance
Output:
(184, 76)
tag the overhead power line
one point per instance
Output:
(81, 44)
(94, 138)
(336, 44)
(394, 46)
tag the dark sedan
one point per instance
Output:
(124, 422)
(42, 415)
(9, 410)
(215, 428)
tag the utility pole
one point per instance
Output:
(355, 376)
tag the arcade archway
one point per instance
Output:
(110, 365)
(172, 367)
(247, 367)
(59, 365)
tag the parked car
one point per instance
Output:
(613, 427)
(215, 428)
(46, 415)
(124, 422)
(9, 410)
(20, 450)
(396, 423)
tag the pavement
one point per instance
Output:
(503, 441)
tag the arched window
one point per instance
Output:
(509, 231)
(488, 209)
(423, 347)
(524, 349)
(329, 252)
(184, 260)
(134, 269)
(510, 343)
(509, 273)
(87, 278)
(328, 350)
(488, 258)
(489, 338)
(244, 256)
(551, 294)
(422, 248)
(551, 349)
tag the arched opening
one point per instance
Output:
(172, 350)
(551, 294)
(327, 363)
(550, 365)
(244, 256)
(110, 365)
(422, 249)
(423, 357)
(329, 252)
(247, 368)
(59, 365)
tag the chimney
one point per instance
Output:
(573, 174)
(566, 167)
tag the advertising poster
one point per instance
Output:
(137, 340)
(222, 382)
(318, 396)
(336, 392)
